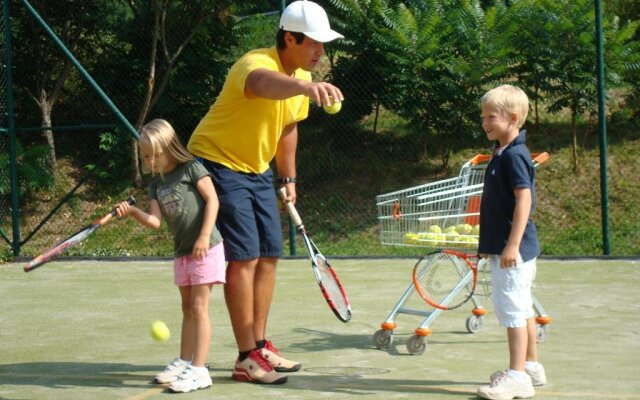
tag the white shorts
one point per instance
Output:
(511, 291)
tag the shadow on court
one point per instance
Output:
(65, 374)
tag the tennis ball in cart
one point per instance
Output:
(159, 331)
(334, 108)
(475, 230)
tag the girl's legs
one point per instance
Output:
(196, 328)
(200, 295)
(186, 340)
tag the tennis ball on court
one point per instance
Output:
(334, 108)
(159, 331)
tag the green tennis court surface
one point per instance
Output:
(79, 330)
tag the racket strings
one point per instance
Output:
(444, 279)
(334, 291)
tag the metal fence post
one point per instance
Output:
(11, 131)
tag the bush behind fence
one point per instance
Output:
(412, 74)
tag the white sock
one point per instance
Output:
(531, 364)
(516, 374)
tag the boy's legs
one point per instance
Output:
(532, 340)
(513, 305)
(517, 338)
(523, 345)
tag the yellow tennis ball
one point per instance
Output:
(334, 108)
(159, 331)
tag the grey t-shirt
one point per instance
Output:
(182, 205)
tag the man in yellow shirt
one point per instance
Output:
(254, 120)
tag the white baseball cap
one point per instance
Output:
(309, 18)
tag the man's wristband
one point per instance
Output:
(286, 179)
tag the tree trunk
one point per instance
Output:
(45, 110)
(574, 141)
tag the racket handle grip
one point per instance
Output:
(291, 209)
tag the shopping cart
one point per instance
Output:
(441, 214)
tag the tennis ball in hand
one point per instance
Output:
(334, 108)
(159, 331)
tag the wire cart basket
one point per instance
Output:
(441, 214)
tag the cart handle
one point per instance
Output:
(480, 158)
(538, 158)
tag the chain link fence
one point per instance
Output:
(74, 156)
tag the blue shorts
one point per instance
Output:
(249, 217)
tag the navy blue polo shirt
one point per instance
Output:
(512, 169)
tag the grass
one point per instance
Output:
(341, 174)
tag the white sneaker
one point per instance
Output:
(171, 371)
(537, 375)
(191, 379)
(506, 387)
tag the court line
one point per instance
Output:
(148, 393)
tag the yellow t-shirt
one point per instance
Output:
(241, 131)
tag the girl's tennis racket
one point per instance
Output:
(446, 279)
(326, 276)
(72, 240)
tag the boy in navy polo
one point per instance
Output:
(508, 238)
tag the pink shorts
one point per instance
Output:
(187, 271)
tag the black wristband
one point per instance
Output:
(286, 179)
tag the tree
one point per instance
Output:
(43, 72)
(571, 38)
(161, 21)
(437, 57)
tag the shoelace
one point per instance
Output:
(264, 364)
(173, 365)
(499, 379)
(188, 373)
(269, 346)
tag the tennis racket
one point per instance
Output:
(72, 240)
(326, 276)
(446, 279)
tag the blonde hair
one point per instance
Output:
(509, 100)
(159, 134)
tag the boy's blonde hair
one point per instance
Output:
(162, 138)
(510, 100)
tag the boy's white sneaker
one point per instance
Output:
(171, 371)
(191, 379)
(506, 387)
(537, 374)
